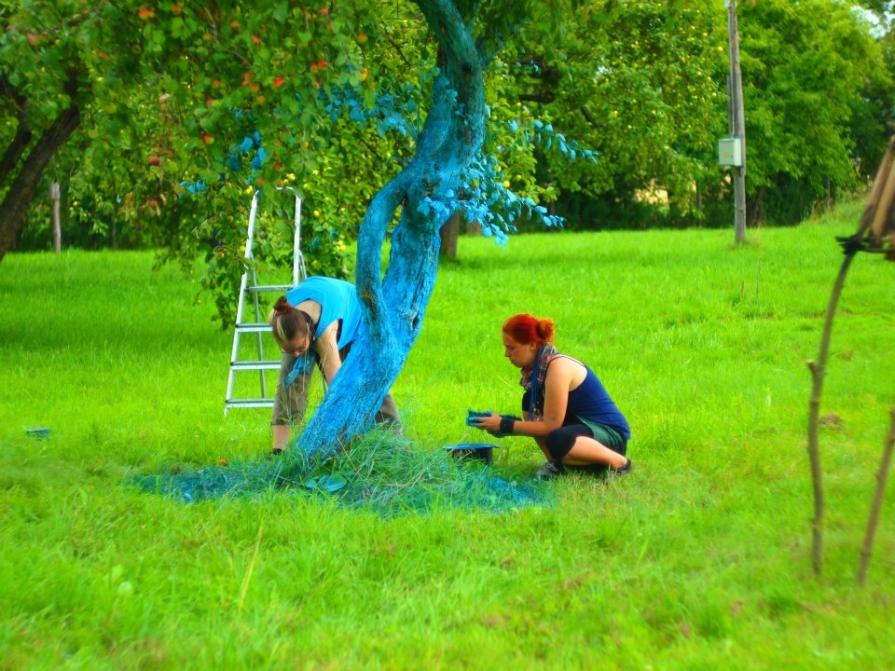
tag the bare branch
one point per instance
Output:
(872, 519)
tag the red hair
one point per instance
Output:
(526, 329)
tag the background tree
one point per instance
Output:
(640, 82)
(644, 83)
(200, 105)
(810, 68)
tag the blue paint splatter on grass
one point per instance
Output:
(381, 472)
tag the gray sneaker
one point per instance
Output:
(547, 471)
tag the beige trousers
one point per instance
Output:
(291, 400)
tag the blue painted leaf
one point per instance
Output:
(331, 483)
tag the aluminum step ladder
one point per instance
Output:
(249, 287)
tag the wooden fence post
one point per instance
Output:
(56, 196)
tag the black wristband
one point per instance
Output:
(506, 425)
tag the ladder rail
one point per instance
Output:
(253, 214)
(234, 351)
(298, 261)
(260, 336)
(248, 283)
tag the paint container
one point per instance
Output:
(38, 432)
(472, 451)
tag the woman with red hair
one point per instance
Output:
(566, 408)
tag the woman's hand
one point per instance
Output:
(490, 423)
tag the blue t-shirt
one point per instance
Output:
(338, 301)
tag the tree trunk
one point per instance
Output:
(394, 306)
(756, 210)
(22, 189)
(449, 234)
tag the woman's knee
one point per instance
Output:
(560, 442)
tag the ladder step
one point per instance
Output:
(255, 365)
(249, 403)
(253, 327)
(270, 287)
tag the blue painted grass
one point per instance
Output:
(382, 472)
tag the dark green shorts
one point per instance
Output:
(606, 435)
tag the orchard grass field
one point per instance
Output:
(700, 559)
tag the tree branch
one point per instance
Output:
(818, 371)
(453, 37)
(14, 151)
(397, 48)
(589, 117)
(873, 518)
(538, 97)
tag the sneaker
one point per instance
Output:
(623, 470)
(547, 471)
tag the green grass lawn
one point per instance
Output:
(698, 560)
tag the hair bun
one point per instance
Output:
(282, 306)
(545, 329)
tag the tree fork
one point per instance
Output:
(394, 306)
(22, 189)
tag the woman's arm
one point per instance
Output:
(556, 400)
(542, 442)
(328, 350)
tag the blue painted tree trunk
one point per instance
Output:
(394, 305)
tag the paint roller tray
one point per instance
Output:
(479, 451)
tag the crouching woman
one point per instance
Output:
(566, 409)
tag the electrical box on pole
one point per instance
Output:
(730, 152)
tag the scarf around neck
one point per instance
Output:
(533, 378)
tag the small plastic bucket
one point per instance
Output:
(473, 451)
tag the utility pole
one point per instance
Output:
(737, 121)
